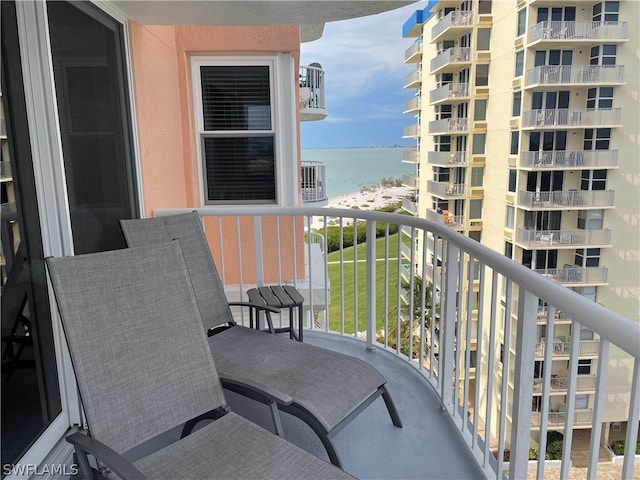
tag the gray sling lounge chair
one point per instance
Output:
(144, 368)
(323, 388)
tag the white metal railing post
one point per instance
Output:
(370, 282)
(448, 326)
(523, 383)
(632, 419)
(598, 406)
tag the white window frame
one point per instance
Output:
(284, 124)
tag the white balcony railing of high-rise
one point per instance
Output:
(566, 198)
(574, 159)
(564, 117)
(575, 74)
(510, 296)
(571, 275)
(312, 92)
(563, 238)
(447, 159)
(579, 31)
(448, 125)
(448, 92)
(451, 55)
(314, 181)
(455, 18)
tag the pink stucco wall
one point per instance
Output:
(165, 120)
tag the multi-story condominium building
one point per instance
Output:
(528, 135)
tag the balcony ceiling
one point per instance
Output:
(311, 15)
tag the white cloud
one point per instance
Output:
(364, 53)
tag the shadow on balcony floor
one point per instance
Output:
(371, 447)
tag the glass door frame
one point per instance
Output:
(48, 167)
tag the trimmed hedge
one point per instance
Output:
(618, 447)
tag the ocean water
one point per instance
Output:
(350, 169)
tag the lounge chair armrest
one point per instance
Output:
(234, 383)
(117, 463)
(256, 306)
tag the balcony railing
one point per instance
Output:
(410, 180)
(314, 175)
(409, 205)
(579, 32)
(563, 117)
(564, 198)
(509, 291)
(312, 96)
(448, 125)
(411, 105)
(446, 189)
(569, 159)
(445, 218)
(5, 171)
(456, 18)
(580, 418)
(410, 156)
(413, 79)
(453, 55)
(449, 91)
(576, 275)
(410, 131)
(447, 159)
(540, 239)
(575, 75)
(584, 383)
(585, 348)
(414, 52)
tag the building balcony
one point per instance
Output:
(449, 93)
(567, 33)
(446, 189)
(452, 25)
(561, 200)
(559, 239)
(581, 418)
(410, 156)
(410, 206)
(559, 316)
(569, 160)
(559, 385)
(412, 105)
(413, 79)
(430, 384)
(574, 75)
(561, 118)
(413, 54)
(312, 96)
(410, 180)
(448, 159)
(576, 276)
(562, 348)
(314, 176)
(449, 125)
(450, 60)
(452, 221)
(410, 131)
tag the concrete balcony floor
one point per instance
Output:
(428, 446)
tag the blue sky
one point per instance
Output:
(364, 71)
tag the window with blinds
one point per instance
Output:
(237, 134)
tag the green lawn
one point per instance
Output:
(349, 302)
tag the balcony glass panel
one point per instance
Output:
(448, 158)
(452, 55)
(537, 239)
(448, 125)
(456, 18)
(446, 189)
(566, 198)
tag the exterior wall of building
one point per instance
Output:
(166, 127)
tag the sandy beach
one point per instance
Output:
(366, 200)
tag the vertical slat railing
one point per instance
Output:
(598, 406)
(371, 283)
(412, 273)
(386, 286)
(632, 420)
(506, 361)
(467, 343)
(447, 326)
(479, 352)
(571, 401)
(523, 382)
(491, 367)
(546, 388)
